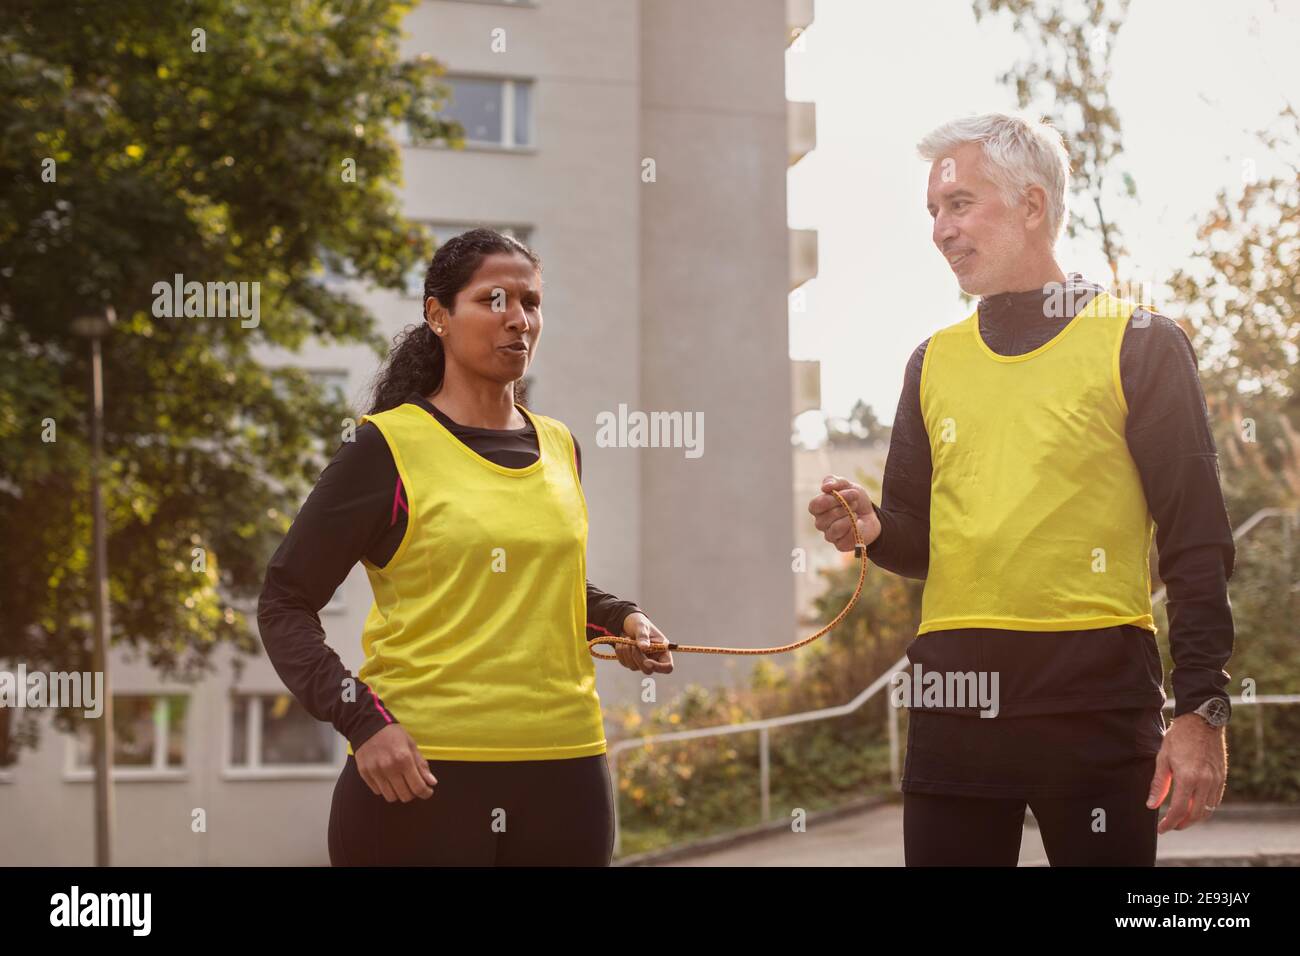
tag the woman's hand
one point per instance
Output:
(392, 766)
(643, 657)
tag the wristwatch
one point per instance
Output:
(1215, 711)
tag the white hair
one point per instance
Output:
(1019, 152)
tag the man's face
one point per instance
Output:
(981, 237)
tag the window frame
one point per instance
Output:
(322, 376)
(256, 770)
(507, 112)
(158, 770)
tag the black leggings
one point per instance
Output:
(507, 813)
(943, 830)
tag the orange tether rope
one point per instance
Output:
(859, 551)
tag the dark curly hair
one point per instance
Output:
(416, 361)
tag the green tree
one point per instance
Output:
(1067, 75)
(861, 428)
(209, 138)
(1243, 310)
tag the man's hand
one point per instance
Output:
(1195, 756)
(393, 768)
(834, 523)
(643, 657)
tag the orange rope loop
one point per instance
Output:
(859, 551)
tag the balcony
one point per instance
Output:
(805, 386)
(800, 129)
(803, 256)
(798, 17)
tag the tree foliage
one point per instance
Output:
(862, 427)
(206, 138)
(1067, 76)
(1242, 294)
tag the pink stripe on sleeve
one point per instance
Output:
(380, 707)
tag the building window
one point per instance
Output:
(148, 734)
(274, 731)
(492, 111)
(442, 231)
(523, 113)
(333, 381)
(336, 272)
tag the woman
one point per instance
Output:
(477, 695)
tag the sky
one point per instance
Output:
(1190, 90)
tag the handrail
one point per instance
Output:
(1246, 527)
(764, 725)
(767, 722)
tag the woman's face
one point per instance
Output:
(494, 327)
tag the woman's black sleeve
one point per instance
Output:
(345, 514)
(604, 611)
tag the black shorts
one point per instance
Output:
(1085, 775)
(501, 813)
(1107, 828)
(1043, 755)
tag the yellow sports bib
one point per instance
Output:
(476, 638)
(1038, 521)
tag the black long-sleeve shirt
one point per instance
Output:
(1169, 437)
(357, 509)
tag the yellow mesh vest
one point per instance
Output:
(476, 639)
(1038, 521)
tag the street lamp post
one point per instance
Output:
(95, 327)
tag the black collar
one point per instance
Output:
(1030, 307)
(415, 398)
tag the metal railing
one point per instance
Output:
(765, 725)
(764, 728)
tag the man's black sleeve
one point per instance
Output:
(348, 510)
(604, 611)
(1170, 439)
(904, 511)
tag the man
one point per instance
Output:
(1036, 447)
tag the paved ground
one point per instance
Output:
(875, 838)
